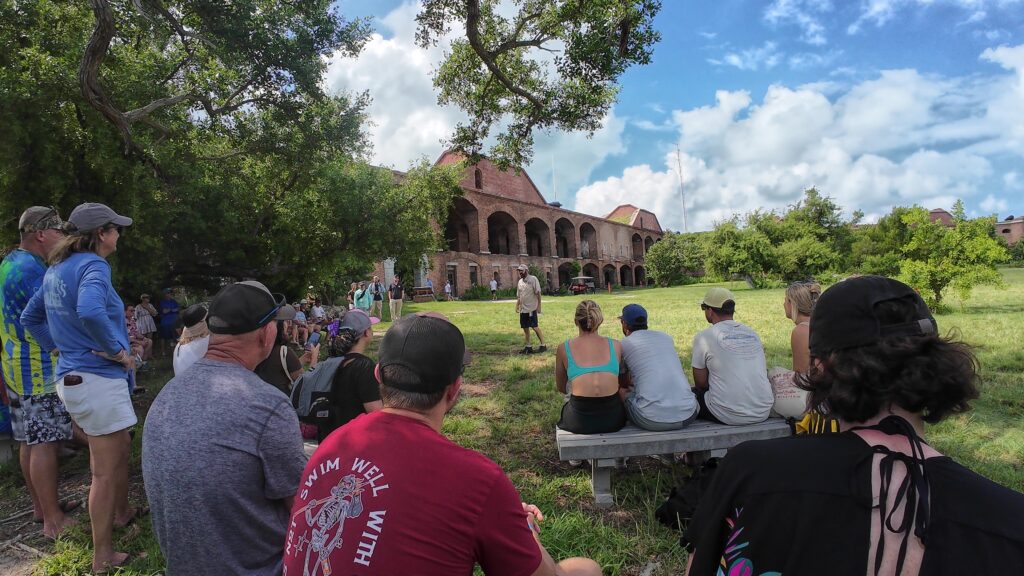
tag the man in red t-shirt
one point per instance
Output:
(387, 493)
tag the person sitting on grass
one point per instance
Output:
(587, 370)
(729, 373)
(388, 493)
(874, 498)
(790, 399)
(657, 395)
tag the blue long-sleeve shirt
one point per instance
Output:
(78, 311)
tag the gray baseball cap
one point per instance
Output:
(91, 215)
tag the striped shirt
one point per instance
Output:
(27, 370)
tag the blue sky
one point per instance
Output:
(876, 102)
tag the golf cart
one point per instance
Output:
(582, 285)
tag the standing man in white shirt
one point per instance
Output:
(730, 375)
(494, 289)
(528, 306)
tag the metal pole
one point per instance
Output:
(682, 194)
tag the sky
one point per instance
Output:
(876, 103)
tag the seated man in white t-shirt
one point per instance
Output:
(730, 375)
(657, 395)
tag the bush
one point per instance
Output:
(484, 293)
(1017, 253)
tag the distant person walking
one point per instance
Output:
(396, 294)
(494, 289)
(528, 307)
(448, 290)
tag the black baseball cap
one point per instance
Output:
(429, 346)
(845, 314)
(193, 315)
(243, 307)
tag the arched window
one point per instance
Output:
(478, 179)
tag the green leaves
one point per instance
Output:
(937, 257)
(550, 65)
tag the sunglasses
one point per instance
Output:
(271, 314)
(120, 229)
(704, 306)
(49, 221)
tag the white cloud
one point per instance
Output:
(766, 56)
(807, 60)
(804, 14)
(407, 122)
(993, 205)
(898, 138)
(881, 12)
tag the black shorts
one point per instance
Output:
(704, 413)
(528, 320)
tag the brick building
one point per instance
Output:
(1011, 229)
(502, 220)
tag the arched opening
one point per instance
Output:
(639, 276)
(609, 275)
(588, 240)
(565, 238)
(502, 233)
(626, 276)
(478, 179)
(638, 247)
(564, 274)
(648, 242)
(538, 237)
(592, 271)
(461, 230)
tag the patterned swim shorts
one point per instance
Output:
(39, 419)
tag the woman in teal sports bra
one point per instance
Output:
(587, 367)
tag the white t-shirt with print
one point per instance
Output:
(737, 373)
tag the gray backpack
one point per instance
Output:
(311, 391)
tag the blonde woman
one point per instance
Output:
(587, 369)
(78, 312)
(790, 400)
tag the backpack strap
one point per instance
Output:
(284, 360)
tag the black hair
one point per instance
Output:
(926, 374)
(282, 338)
(396, 398)
(728, 308)
(343, 342)
(638, 326)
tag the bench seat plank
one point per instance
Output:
(633, 441)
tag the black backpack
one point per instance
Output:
(682, 502)
(312, 391)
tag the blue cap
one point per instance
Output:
(634, 315)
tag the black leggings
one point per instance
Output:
(593, 415)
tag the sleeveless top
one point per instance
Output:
(574, 370)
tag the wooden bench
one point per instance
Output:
(701, 438)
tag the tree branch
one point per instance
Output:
(488, 58)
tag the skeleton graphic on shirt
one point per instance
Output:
(327, 519)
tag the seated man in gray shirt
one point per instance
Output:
(221, 450)
(658, 396)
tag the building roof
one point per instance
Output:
(635, 217)
(942, 216)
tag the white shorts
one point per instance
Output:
(98, 405)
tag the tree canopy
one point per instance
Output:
(550, 64)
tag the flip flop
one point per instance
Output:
(65, 507)
(138, 512)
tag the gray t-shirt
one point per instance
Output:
(739, 391)
(661, 391)
(221, 451)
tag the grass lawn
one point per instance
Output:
(510, 407)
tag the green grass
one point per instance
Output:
(510, 407)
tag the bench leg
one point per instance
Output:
(601, 482)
